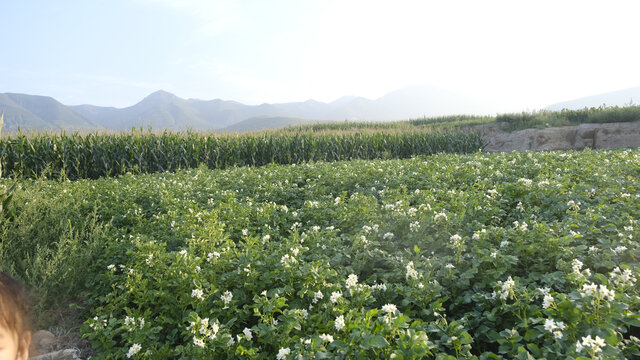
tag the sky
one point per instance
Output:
(512, 55)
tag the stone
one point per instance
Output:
(42, 342)
(67, 354)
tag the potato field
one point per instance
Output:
(449, 256)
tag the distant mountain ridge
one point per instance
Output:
(615, 98)
(163, 110)
(33, 112)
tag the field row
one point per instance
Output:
(90, 156)
(520, 255)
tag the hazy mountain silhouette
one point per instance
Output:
(162, 110)
(32, 112)
(159, 110)
(614, 98)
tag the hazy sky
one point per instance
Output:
(515, 55)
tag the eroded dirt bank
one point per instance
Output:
(594, 136)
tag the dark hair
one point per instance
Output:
(14, 306)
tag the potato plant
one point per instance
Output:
(480, 256)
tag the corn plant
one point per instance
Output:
(6, 195)
(75, 156)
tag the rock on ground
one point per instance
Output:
(42, 344)
(68, 354)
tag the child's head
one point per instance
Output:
(15, 334)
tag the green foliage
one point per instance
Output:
(440, 123)
(5, 195)
(480, 256)
(94, 155)
(5, 198)
(75, 156)
(49, 240)
(545, 118)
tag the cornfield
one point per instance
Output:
(94, 155)
(565, 117)
(441, 123)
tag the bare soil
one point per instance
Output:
(579, 137)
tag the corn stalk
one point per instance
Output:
(6, 195)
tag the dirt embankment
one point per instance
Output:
(594, 136)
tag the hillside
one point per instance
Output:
(264, 123)
(159, 110)
(162, 110)
(615, 98)
(32, 112)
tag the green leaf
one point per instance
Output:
(378, 341)
(535, 350)
(633, 320)
(531, 334)
(371, 313)
(323, 355)
(523, 354)
(465, 338)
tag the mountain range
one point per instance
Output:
(630, 96)
(162, 110)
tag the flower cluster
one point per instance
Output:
(131, 323)
(389, 308)
(247, 334)
(97, 323)
(547, 301)
(411, 272)
(573, 205)
(525, 181)
(203, 329)
(619, 249)
(317, 296)
(283, 352)
(212, 256)
(505, 289)
(288, 260)
(622, 278)
(339, 323)
(198, 294)
(303, 313)
(440, 216)
(597, 291)
(226, 297)
(576, 267)
(352, 281)
(592, 345)
(134, 349)
(456, 240)
(381, 287)
(522, 227)
(335, 296)
(554, 327)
